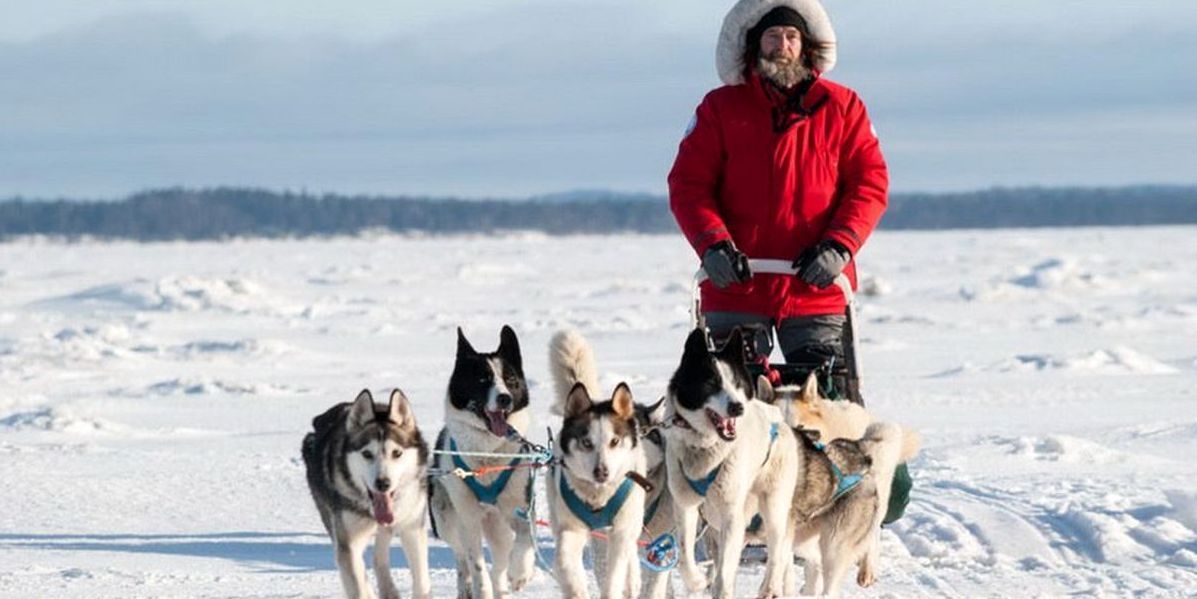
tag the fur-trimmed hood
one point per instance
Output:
(729, 54)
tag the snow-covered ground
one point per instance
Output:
(153, 397)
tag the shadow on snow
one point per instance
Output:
(267, 552)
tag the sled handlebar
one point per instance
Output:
(767, 266)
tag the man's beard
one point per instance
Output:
(783, 72)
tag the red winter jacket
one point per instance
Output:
(775, 194)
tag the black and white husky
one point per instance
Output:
(366, 467)
(594, 488)
(485, 409)
(726, 451)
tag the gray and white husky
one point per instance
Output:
(723, 449)
(843, 491)
(367, 470)
(571, 361)
(594, 486)
(486, 407)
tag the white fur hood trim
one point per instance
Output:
(745, 14)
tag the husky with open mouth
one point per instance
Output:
(367, 471)
(723, 448)
(486, 411)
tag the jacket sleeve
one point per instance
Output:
(694, 181)
(864, 180)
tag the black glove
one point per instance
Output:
(821, 263)
(724, 264)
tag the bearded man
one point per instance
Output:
(779, 163)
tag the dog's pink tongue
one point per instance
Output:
(498, 423)
(729, 427)
(384, 508)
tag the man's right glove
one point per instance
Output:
(724, 264)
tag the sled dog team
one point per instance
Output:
(717, 449)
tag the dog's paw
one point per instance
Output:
(768, 592)
(865, 577)
(523, 570)
(519, 582)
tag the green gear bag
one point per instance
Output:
(899, 494)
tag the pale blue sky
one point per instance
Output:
(483, 99)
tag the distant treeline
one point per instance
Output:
(234, 212)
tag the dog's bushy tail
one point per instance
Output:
(911, 442)
(884, 444)
(571, 361)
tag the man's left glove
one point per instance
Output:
(821, 263)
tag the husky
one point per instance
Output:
(486, 411)
(594, 487)
(848, 462)
(722, 449)
(367, 471)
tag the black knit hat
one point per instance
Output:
(781, 15)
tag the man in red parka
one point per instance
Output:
(779, 163)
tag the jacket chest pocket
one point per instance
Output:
(817, 171)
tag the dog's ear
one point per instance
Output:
(622, 403)
(399, 410)
(810, 389)
(811, 435)
(509, 348)
(733, 348)
(764, 390)
(578, 401)
(361, 413)
(464, 349)
(696, 345)
(652, 415)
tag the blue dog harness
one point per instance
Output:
(485, 493)
(843, 483)
(702, 485)
(595, 518)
